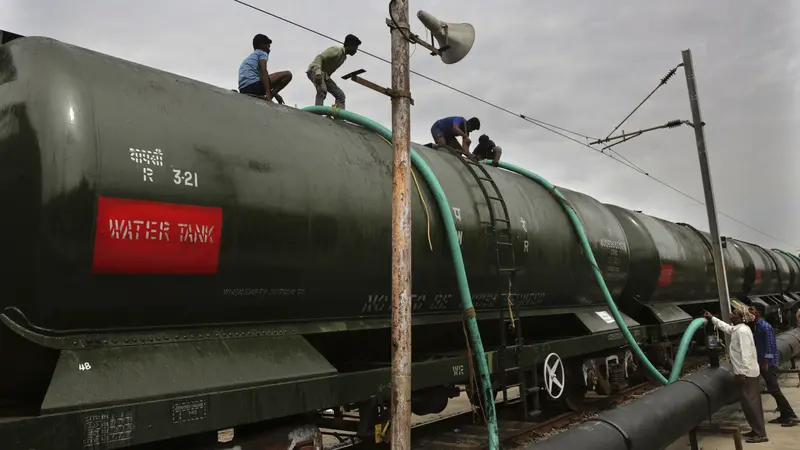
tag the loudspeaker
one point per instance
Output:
(458, 36)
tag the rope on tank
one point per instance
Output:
(422, 197)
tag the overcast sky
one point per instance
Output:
(582, 65)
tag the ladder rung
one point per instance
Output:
(502, 220)
(495, 198)
(485, 179)
(505, 243)
(508, 269)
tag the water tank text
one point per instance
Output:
(137, 236)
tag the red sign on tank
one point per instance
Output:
(665, 278)
(140, 237)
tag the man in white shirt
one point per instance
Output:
(744, 359)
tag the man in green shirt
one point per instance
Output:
(323, 66)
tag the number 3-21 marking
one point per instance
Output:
(185, 177)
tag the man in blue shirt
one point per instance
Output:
(444, 132)
(767, 351)
(254, 79)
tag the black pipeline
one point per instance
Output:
(662, 417)
(789, 344)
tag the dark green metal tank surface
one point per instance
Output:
(761, 276)
(782, 273)
(296, 224)
(793, 267)
(670, 263)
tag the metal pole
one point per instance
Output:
(401, 230)
(711, 209)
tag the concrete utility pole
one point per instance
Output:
(401, 229)
(711, 209)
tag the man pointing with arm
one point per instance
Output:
(742, 351)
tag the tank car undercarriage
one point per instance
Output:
(117, 390)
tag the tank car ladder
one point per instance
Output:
(505, 267)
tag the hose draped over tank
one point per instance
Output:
(463, 284)
(695, 325)
(487, 393)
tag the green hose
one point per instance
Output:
(487, 393)
(791, 256)
(695, 325)
(463, 285)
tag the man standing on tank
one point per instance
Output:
(323, 66)
(445, 131)
(767, 348)
(254, 79)
(744, 359)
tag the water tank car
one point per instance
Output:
(144, 199)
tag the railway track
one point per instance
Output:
(460, 431)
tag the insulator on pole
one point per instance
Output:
(668, 75)
(674, 123)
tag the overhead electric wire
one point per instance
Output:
(626, 162)
(662, 83)
(540, 123)
(433, 80)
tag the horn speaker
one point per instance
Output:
(456, 37)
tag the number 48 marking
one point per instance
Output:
(185, 177)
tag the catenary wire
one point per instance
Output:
(540, 123)
(662, 83)
(433, 80)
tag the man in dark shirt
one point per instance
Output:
(487, 150)
(767, 350)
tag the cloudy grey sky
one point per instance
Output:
(579, 64)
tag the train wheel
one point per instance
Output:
(632, 371)
(645, 375)
(578, 377)
(602, 385)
